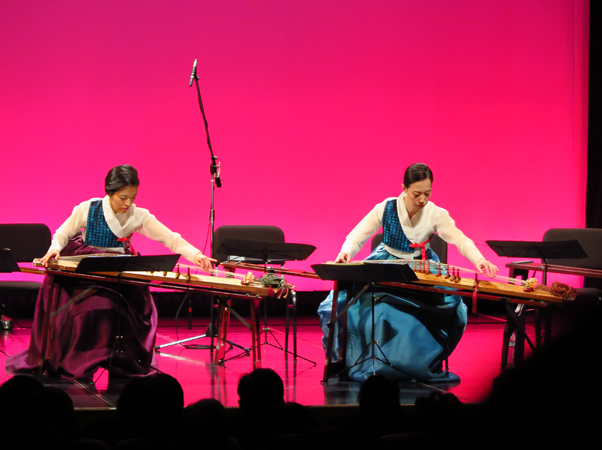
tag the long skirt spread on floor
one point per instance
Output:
(415, 331)
(83, 335)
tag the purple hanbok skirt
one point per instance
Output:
(83, 335)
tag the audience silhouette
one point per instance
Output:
(548, 402)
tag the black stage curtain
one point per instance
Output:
(593, 206)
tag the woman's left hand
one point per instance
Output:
(484, 265)
(204, 262)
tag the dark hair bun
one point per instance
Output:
(417, 172)
(120, 177)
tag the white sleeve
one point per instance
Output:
(70, 227)
(156, 231)
(447, 230)
(364, 230)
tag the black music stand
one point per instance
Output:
(127, 263)
(379, 271)
(260, 252)
(369, 274)
(264, 253)
(536, 249)
(8, 263)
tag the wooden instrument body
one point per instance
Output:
(224, 289)
(176, 280)
(483, 285)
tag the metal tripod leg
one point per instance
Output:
(267, 330)
(209, 333)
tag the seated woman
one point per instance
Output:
(91, 314)
(415, 331)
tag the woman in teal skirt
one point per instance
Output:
(415, 331)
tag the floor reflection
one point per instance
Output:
(476, 361)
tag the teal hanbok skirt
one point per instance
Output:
(415, 331)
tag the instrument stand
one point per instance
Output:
(543, 250)
(515, 324)
(264, 253)
(267, 330)
(118, 348)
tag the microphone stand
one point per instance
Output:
(215, 166)
(215, 170)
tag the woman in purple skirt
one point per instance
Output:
(91, 314)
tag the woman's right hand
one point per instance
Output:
(344, 257)
(52, 254)
(204, 262)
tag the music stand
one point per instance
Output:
(539, 249)
(261, 252)
(264, 252)
(8, 263)
(127, 263)
(368, 273)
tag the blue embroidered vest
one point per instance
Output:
(393, 235)
(98, 233)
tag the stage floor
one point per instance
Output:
(476, 360)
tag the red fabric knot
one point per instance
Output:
(129, 245)
(422, 247)
(567, 292)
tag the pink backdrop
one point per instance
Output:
(315, 109)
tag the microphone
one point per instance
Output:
(215, 171)
(192, 74)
